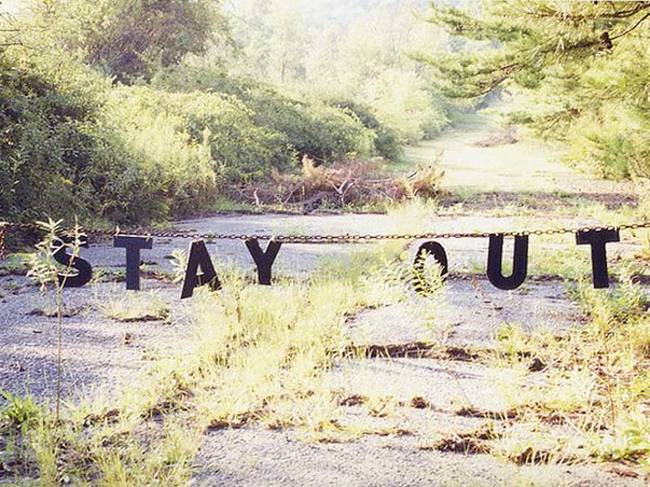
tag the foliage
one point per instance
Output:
(49, 274)
(404, 103)
(215, 131)
(387, 139)
(56, 154)
(266, 362)
(577, 70)
(597, 380)
(18, 410)
(135, 307)
(308, 125)
(363, 59)
(74, 144)
(130, 39)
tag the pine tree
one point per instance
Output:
(582, 66)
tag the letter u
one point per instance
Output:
(519, 262)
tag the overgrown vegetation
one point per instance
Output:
(595, 380)
(358, 55)
(145, 110)
(264, 355)
(576, 70)
(351, 183)
(51, 276)
(139, 112)
(259, 355)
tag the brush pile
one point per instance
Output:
(341, 184)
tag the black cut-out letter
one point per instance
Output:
(84, 270)
(519, 262)
(598, 240)
(199, 258)
(133, 245)
(263, 259)
(435, 250)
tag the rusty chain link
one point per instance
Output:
(3, 227)
(325, 239)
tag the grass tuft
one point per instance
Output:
(140, 307)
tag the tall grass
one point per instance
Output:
(255, 354)
(596, 379)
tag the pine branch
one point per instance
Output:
(639, 22)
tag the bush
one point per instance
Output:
(403, 101)
(56, 157)
(324, 132)
(615, 148)
(72, 145)
(76, 144)
(217, 130)
(387, 140)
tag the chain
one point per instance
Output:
(3, 232)
(326, 239)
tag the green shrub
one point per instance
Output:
(321, 131)
(614, 148)
(73, 143)
(387, 141)
(217, 133)
(403, 101)
(69, 146)
(56, 156)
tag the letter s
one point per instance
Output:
(84, 269)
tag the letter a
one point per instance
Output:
(199, 258)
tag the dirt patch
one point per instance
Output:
(507, 137)
(414, 350)
(532, 201)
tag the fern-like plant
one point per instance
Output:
(52, 276)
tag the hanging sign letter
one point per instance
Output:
(199, 258)
(133, 245)
(435, 250)
(263, 259)
(84, 269)
(519, 262)
(598, 239)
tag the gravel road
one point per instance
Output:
(102, 355)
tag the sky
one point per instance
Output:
(11, 6)
(323, 12)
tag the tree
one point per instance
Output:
(131, 39)
(273, 36)
(580, 66)
(357, 52)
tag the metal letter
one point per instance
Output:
(435, 250)
(83, 267)
(598, 239)
(519, 262)
(133, 245)
(263, 260)
(199, 258)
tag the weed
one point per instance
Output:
(19, 410)
(596, 379)
(15, 264)
(44, 268)
(258, 355)
(134, 307)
